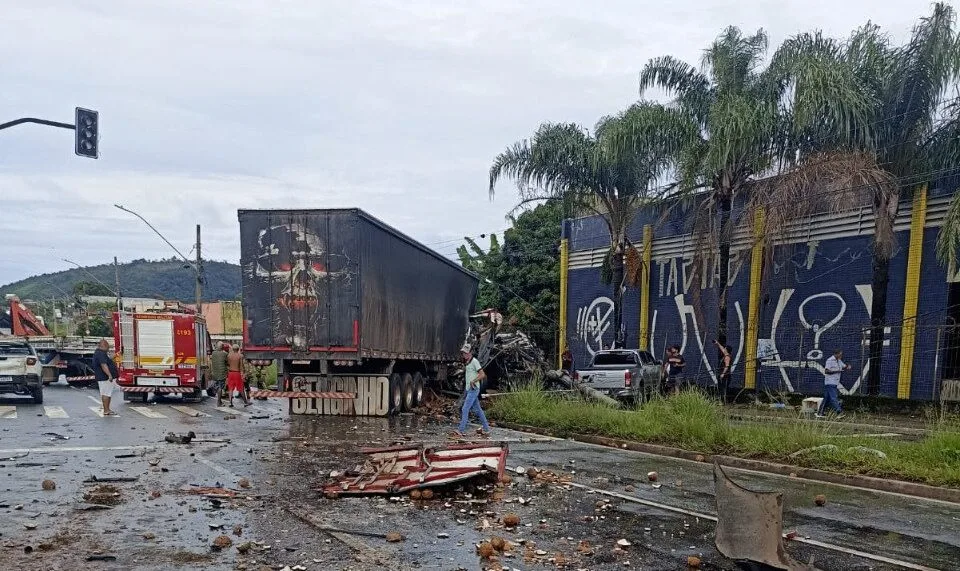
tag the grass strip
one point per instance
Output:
(695, 422)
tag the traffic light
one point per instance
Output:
(87, 127)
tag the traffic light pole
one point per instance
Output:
(23, 120)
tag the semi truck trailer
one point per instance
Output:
(347, 305)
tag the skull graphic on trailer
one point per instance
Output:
(292, 255)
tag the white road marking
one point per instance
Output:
(8, 412)
(99, 412)
(228, 410)
(147, 412)
(73, 449)
(189, 411)
(94, 399)
(55, 412)
(217, 467)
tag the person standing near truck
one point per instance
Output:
(674, 365)
(235, 384)
(473, 376)
(726, 364)
(218, 370)
(105, 371)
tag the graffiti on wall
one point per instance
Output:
(595, 325)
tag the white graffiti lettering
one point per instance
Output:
(593, 322)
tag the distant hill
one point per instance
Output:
(164, 279)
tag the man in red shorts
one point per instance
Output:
(235, 375)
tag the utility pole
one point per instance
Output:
(199, 268)
(116, 275)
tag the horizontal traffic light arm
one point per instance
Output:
(23, 120)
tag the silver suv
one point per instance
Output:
(20, 369)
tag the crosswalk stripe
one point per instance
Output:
(189, 411)
(228, 410)
(99, 411)
(147, 412)
(55, 412)
(8, 412)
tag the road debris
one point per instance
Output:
(180, 438)
(48, 485)
(820, 500)
(394, 537)
(103, 495)
(511, 520)
(653, 476)
(117, 480)
(221, 542)
(398, 469)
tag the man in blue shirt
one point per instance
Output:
(473, 376)
(105, 371)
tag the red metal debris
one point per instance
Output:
(399, 469)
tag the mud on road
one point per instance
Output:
(253, 504)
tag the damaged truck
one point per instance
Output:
(359, 317)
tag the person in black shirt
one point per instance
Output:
(105, 371)
(674, 365)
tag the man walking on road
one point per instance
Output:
(831, 383)
(235, 375)
(218, 370)
(105, 371)
(473, 375)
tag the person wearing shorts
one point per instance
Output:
(235, 384)
(105, 371)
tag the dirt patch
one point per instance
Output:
(104, 495)
(184, 556)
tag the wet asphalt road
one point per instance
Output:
(159, 524)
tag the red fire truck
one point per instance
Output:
(162, 353)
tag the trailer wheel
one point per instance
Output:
(408, 402)
(395, 393)
(418, 384)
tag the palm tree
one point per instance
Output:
(728, 122)
(563, 160)
(891, 109)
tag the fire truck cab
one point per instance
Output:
(163, 352)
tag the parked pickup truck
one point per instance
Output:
(20, 369)
(626, 374)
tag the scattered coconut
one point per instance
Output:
(244, 483)
(238, 530)
(506, 479)
(499, 543)
(394, 537)
(415, 494)
(155, 494)
(427, 494)
(511, 520)
(653, 476)
(222, 542)
(693, 562)
(699, 458)
(486, 550)
(48, 485)
(149, 536)
(820, 500)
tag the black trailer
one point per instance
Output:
(336, 294)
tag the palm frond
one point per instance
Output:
(948, 240)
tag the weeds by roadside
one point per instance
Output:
(695, 422)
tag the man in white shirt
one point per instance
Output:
(831, 383)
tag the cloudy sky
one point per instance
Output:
(395, 106)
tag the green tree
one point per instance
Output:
(589, 170)
(90, 288)
(892, 110)
(486, 264)
(729, 121)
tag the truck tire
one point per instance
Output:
(37, 393)
(418, 385)
(396, 384)
(407, 386)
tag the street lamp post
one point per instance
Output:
(196, 266)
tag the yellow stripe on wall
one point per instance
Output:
(564, 269)
(645, 288)
(753, 314)
(908, 339)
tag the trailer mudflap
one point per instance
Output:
(398, 469)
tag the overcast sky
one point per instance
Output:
(394, 106)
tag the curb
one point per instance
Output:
(868, 482)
